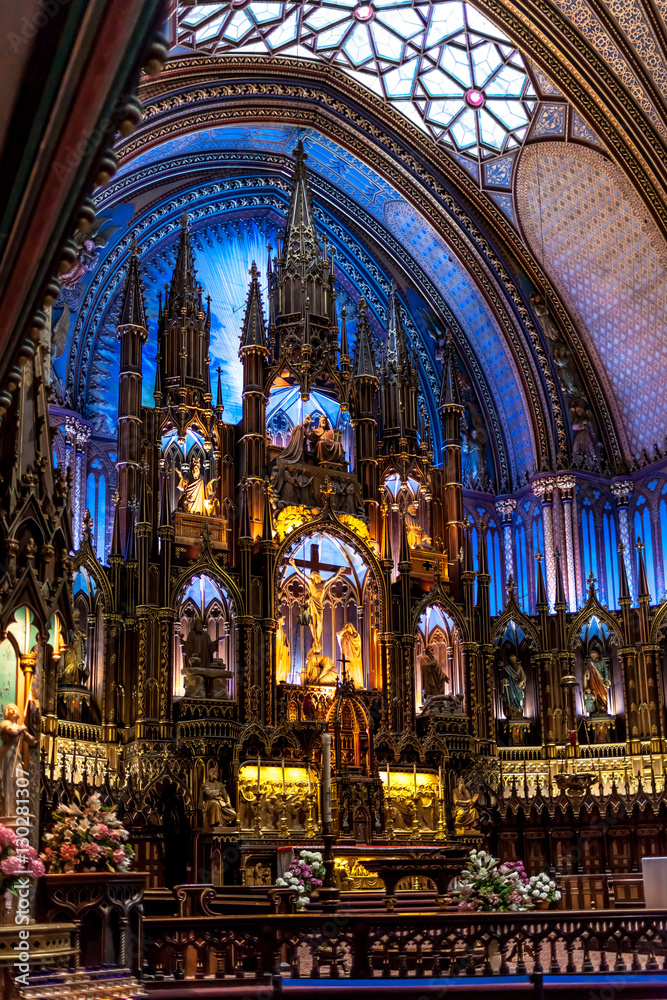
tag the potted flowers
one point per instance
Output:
(305, 874)
(18, 862)
(542, 891)
(87, 858)
(486, 884)
(91, 839)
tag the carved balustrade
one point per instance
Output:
(368, 945)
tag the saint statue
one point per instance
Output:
(585, 437)
(433, 679)
(72, 667)
(596, 684)
(514, 688)
(317, 590)
(13, 736)
(217, 809)
(466, 813)
(327, 448)
(296, 449)
(414, 528)
(349, 641)
(196, 496)
(283, 656)
(202, 665)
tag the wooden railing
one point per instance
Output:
(367, 945)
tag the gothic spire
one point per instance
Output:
(301, 243)
(542, 599)
(449, 388)
(364, 361)
(183, 278)
(344, 349)
(253, 333)
(561, 600)
(642, 579)
(133, 308)
(115, 536)
(623, 588)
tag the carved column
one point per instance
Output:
(543, 488)
(165, 670)
(628, 657)
(622, 492)
(506, 510)
(77, 435)
(566, 486)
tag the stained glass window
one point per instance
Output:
(588, 539)
(451, 71)
(644, 534)
(611, 584)
(495, 568)
(101, 518)
(521, 564)
(663, 536)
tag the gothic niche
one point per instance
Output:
(204, 643)
(310, 442)
(515, 684)
(597, 696)
(192, 489)
(440, 688)
(327, 602)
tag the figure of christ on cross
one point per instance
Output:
(317, 590)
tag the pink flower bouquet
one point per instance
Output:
(17, 861)
(91, 839)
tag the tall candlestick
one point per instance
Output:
(326, 777)
(259, 775)
(283, 764)
(310, 786)
(414, 776)
(388, 780)
(440, 781)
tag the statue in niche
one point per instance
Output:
(296, 450)
(541, 310)
(474, 448)
(414, 529)
(327, 448)
(349, 641)
(196, 496)
(14, 737)
(73, 671)
(204, 675)
(597, 682)
(568, 379)
(585, 437)
(283, 655)
(466, 813)
(217, 808)
(514, 688)
(433, 679)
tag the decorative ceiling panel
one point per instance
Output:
(608, 261)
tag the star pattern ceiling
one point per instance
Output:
(446, 67)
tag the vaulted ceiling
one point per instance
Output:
(504, 164)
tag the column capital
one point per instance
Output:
(622, 491)
(506, 508)
(543, 488)
(565, 484)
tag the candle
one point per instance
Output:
(388, 781)
(440, 781)
(283, 762)
(259, 775)
(310, 786)
(326, 777)
(414, 777)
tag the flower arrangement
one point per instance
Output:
(91, 839)
(542, 889)
(305, 874)
(488, 884)
(18, 861)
